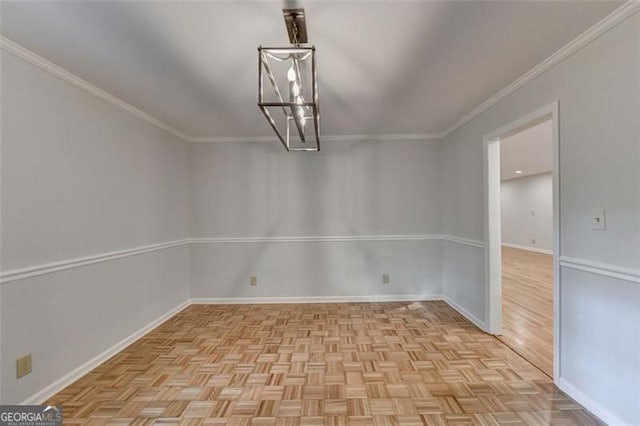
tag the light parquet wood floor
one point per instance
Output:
(527, 305)
(318, 364)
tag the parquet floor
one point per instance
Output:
(527, 305)
(318, 364)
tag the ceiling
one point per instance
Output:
(529, 151)
(385, 67)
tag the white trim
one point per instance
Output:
(596, 409)
(314, 299)
(45, 65)
(527, 248)
(315, 239)
(465, 241)
(385, 137)
(603, 269)
(613, 19)
(609, 22)
(468, 315)
(613, 271)
(53, 69)
(325, 138)
(55, 387)
(48, 268)
(493, 255)
(76, 374)
(229, 139)
(600, 28)
(492, 235)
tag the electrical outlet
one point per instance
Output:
(533, 241)
(385, 278)
(253, 281)
(23, 366)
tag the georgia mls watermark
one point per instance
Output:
(30, 415)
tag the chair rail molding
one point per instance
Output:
(48, 268)
(464, 241)
(600, 268)
(17, 274)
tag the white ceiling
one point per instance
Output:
(530, 151)
(385, 67)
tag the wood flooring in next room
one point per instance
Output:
(527, 305)
(318, 364)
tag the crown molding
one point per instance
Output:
(325, 138)
(613, 19)
(226, 139)
(45, 65)
(53, 69)
(385, 137)
(315, 239)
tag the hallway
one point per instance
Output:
(527, 305)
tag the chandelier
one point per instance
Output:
(291, 103)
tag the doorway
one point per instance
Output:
(522, 236)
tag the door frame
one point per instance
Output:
(492, 231)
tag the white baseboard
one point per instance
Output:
(534, 249)
(71, 377)
(76, 374)
(468, 315)
(314, 299)
(596, 409)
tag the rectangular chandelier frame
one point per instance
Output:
(289, 108)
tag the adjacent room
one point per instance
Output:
(527, 224)
(370, 212)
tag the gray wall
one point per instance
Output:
(348, 188)
(82, 178)
(597, 89)
(527, 211)
(385, 189)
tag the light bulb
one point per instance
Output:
(295, 89)
(291, 75)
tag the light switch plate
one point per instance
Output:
(598, 219)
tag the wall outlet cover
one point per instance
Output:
(385, 278)
(253, 280)
(23, 366)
